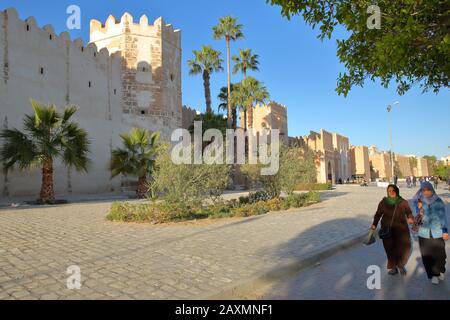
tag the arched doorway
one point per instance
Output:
(330, 173)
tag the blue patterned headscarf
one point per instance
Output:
(419, 195)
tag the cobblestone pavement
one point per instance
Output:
(344, 276)
(178, 261)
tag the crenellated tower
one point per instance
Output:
(151, 69)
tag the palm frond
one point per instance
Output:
(17, 149)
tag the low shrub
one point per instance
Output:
(164, 212)
(154, 213)
(259, 196)
(314, 186)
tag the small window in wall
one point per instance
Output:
(82, 49)
(172, 77)
(50, 37)
(90, 84)
(115, 91)
(95, 54)
(41, 70)
(28, 27)
(144, 69)
(143, 112)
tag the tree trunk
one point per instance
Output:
(207, 86)
(230, 111)
(142, 187)
(245, 110)
(249, 127)
(250, 117)
(47, 194)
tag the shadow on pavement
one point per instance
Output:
(344, 273)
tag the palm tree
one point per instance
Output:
(243, 62)
(223, 98)
(248, 93)
(206, 61)
(229, 29)
(137, 158)
(48, 135)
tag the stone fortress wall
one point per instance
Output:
(129, 75)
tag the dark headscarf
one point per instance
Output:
(396, 200)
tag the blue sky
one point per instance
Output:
(299, 70)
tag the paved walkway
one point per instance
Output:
(182, 261)
(344, 276)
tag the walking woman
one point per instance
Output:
(395, 215)
(432, 226)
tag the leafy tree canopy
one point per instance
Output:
(411, 47)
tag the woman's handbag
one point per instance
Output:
(386, 232)
(370, 239)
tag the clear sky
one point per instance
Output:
(299, 70)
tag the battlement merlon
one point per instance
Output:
(30, 26)
(114, 27)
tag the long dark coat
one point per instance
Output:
(398, 246)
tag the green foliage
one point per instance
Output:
(442, 171)
(207, 59)
(245, 61)
(138, 155)
(164, 212)
(48, 134)
(188, 183)
(412, 46)
(296, 166)
(249, 92)
(205, 62)
(228, 28)
(154, 213)
(210, 121)
(313, 186)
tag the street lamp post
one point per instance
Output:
(389, 110)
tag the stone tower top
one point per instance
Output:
(114, 27)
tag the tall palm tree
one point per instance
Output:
(229, 29)
(243, 62)
(247, 94)
(206, 61)
(48, 135)
(137, 158)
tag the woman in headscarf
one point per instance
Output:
(395, 215)
(431, 221)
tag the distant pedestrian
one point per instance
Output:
(414, 181)
(432, 231)
(395, 215)
(408, 182)
(436, 183)
(396, 180)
